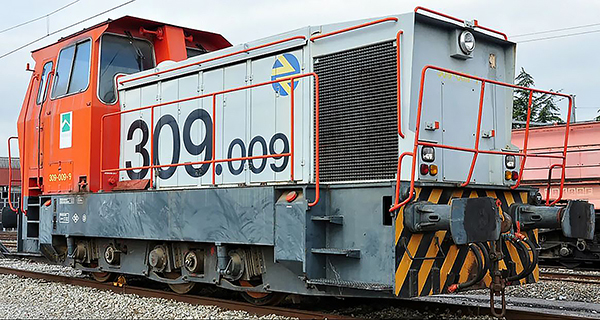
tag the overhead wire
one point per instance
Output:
(39, 18)
(558, 36)
(65, 28)
(555, 30)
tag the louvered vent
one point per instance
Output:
(357, 93)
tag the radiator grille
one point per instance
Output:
(358, 127)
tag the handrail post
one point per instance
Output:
(549, 183)
(398, 84)
(152, 162)
(292, 129)
(317, 192)
(477, 134)
(526, 141)
(214, 115)
(398, 171)
(566, 145)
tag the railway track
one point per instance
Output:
(191, 299)
(9, 240)
(445, 303)
(570, 277)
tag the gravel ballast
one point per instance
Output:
(24, 264)
(36, 299)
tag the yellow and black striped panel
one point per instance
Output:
(427, 263)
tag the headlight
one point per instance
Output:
(510, 161)
(466, 41)
(427, 154)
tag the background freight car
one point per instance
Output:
(582, 181)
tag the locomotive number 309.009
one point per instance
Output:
(236, 167)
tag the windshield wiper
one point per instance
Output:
(138, 51)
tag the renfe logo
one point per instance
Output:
(66, 130)
(286, 65)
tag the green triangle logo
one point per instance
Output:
(65, 123)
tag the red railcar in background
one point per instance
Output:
(582, 180)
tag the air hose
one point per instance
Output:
(481, 268)
(525, 245)
(486, 261)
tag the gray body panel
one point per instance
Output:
(210, 215)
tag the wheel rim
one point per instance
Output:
(181, 288)
(102, 276)
(255, 295)
(261, 298)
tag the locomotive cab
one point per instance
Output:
(73, 86)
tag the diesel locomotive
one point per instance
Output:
(369, 158)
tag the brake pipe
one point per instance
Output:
(480, 270)
(524, 245)
(486, 260)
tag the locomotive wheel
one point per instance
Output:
(104, 276)
(182, 288)
(259, 298)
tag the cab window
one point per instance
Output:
(41, 97)
(73, 69)
(121, 55)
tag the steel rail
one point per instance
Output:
(191, 299)
(576, 278)
(475, 307)
(419, 304)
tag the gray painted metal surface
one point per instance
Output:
(231, 215)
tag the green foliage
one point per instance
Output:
(543, 105)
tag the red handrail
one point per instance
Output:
(213, 161)
(398, 86)
(526, 141)
(475, 23)
(10, 179)
(477, 135)
(476, 150)
(370, 23)
(550, 178)
(216, 58)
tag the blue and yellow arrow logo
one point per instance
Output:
(286, 65)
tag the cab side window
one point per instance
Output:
(73, 69)
(42, 94)
(121, 55)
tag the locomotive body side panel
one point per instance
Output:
(254, 122)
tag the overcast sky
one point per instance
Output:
(569, 63)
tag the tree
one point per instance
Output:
(543, 105)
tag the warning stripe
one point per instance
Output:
(452, 261)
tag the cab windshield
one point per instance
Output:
(119, 54)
